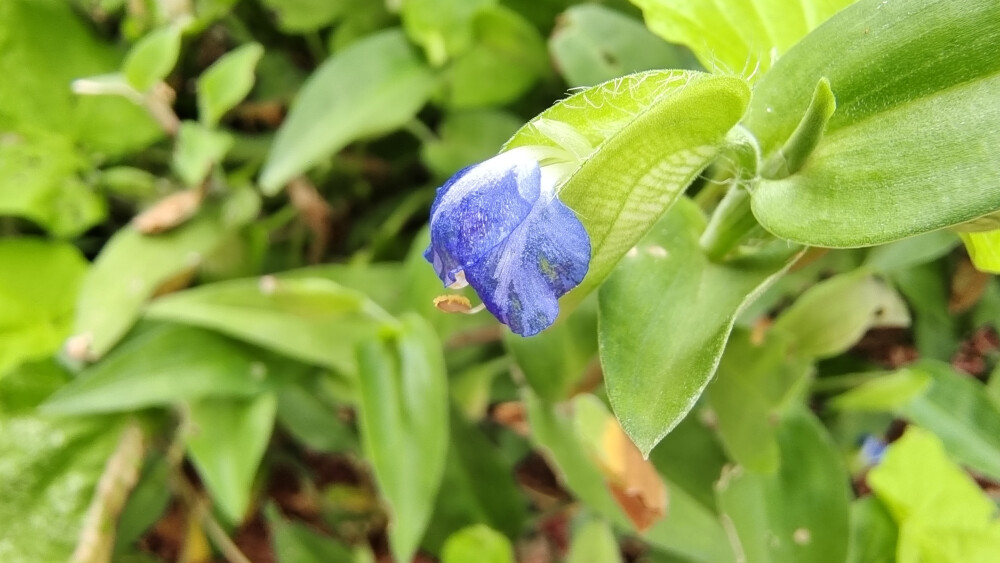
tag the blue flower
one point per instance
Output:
(499, 227)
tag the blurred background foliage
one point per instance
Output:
(217, 337)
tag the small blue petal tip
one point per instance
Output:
(498, 227)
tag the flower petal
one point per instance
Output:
(522, 278)
(478, 208)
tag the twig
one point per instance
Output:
(316, 213)
(97, 538)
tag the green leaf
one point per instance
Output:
(554, 361)
(39, 181)
(942, 514)
(834, 314)
(477, 544)
(404, 421)
(898, 159)
(955, 407)
(753, 384)
(873, 533)
(146, 504)
(478, 486)
(984, 250)
(37, 34)
(593, 43)
(690, 530)
(29, 384)
(307, 412)
(800, 513)
(507, 57)
(468, 137)
(198, 148)
(665, 316)
(50, 469)
(884, 393)
(297, 543)
(594, 542)
(227, 82)
(926, 289)
(161, 366)
(37, 294)
(297, 16)
(310, 319)
(226, 443)
(444, 28)
(152, 58)
(370, 88)
(907, 253)
(554, 432)
(636, 172)
(692, 458)
(128, 271)
(733, 36)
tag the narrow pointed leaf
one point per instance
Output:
(226, 444)
(404, 421)
(227, 82)
(370, 88)
(906, 152)
(665, 316)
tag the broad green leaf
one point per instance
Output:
(467, 137)
(753, 385)
(37, 292)
(311, 319)
(593, 43)
(477, 544)
(298, 543)
(444, 28)
(942, 513)
(226, 443)
(873, 533)
(636, 172)
(380, 282)
(594, 542)
(984, 250)
(128, 271)
(735, 36)
(478, 486)
(898, 159)
(910, 252)
(227, 82)
(50, 38)
(834, 314)
(554, 361)
(955, 407)
(507, 57)
(370, 88)
(665, 315)
(798, 514)
(152, 58)
(404, 422)
(49, 469)
(163, 365)
(198, 148)
(39, 181)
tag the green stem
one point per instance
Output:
(732, 222)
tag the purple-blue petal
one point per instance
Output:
(477, 209)
(522, 278)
